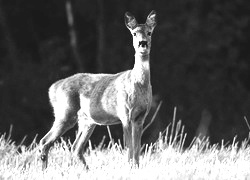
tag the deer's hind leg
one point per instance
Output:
(65, 119)
(83, 135)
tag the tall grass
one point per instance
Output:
(165, 159)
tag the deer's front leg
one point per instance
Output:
(132, 133)
(137, 127)
(127, 139)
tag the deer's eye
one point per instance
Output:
(149, 33)
(134, 34)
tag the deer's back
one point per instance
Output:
(78, 84)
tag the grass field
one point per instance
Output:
(165, 159)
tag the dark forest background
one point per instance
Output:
(200, 60)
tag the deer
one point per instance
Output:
(90, 99)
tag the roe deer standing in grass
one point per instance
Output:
(105, 99)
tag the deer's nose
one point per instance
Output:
(143, 44)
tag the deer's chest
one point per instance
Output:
(139, 96)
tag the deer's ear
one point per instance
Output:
(130, 20)
(151, 19)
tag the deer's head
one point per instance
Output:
(141, 32)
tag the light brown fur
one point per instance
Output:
(105, 99)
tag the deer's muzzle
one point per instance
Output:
(143, 44)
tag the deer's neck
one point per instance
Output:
(141, 70)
